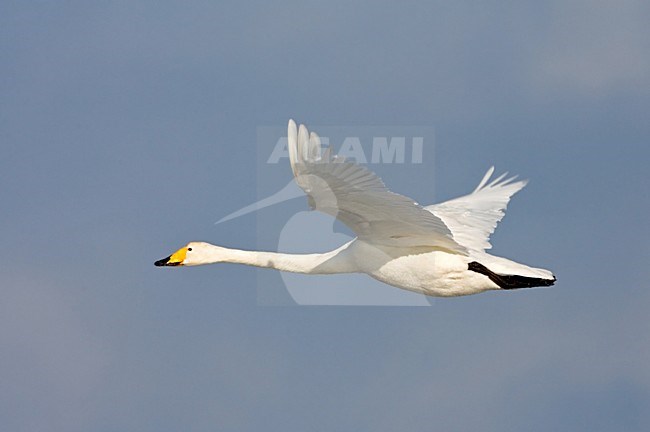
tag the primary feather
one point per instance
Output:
(472, 218)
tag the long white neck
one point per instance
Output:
(336, 261)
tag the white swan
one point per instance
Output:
(437, 250)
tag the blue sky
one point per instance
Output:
(128, 128)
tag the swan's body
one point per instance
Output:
(437, 250)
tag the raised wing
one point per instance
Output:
(359, 199)
(472, 218)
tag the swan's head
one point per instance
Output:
(195, 253)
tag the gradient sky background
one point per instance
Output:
(128, 128)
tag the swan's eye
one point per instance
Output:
(189, 249)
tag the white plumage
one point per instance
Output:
(359, 199)
(472, 218)
(435, 250)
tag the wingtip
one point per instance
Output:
(292, 129)
(292, 140)
(500, 181)
(485, 178)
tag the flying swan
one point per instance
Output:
(437, 250)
